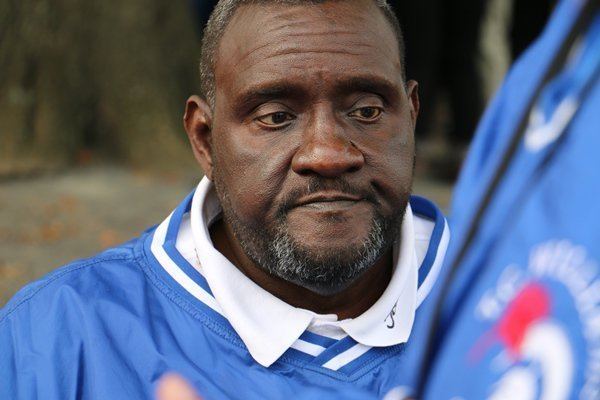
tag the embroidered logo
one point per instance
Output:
(391, 323)
(530, 346)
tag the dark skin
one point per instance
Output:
(307, 92)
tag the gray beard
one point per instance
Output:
(275, 251)
(328, 274)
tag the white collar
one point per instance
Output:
(267, 325)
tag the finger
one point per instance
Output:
(174, 387)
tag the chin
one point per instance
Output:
(326, 265)
(329, 235)
(332, 245)
(322, 252)
(327, 274)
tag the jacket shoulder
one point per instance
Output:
(99, 272)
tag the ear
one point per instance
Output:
(412, 89)
(197, 121)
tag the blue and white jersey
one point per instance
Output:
(110, 326)
(521, 314)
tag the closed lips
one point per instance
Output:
(320, 198)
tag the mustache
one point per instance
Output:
(317, 184)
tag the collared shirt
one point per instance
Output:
(269, 327)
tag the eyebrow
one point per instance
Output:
(270, 91)
(285, 90)
(369, 84)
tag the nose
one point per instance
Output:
(327, 151)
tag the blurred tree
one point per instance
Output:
(109, 77)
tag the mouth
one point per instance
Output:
(328, 201)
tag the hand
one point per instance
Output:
(174, 387)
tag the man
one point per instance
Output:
(298, 264)
(521, 311)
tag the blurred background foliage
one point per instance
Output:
(83, 80)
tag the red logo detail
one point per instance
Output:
(531, 305)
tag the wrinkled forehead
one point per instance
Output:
(274, 38)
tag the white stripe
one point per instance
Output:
(434, 272)
(347, 357)
(541, 133)
(176, 273)
(308, 348)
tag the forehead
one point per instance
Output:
(308, 43)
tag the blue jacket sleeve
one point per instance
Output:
(39, 356)
(9, 365)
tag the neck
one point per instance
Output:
(349, 303)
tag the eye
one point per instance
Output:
(366, 114)
(276, 119)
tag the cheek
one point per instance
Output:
(253, 170)
(392, 163)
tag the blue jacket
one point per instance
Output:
(520, 316)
